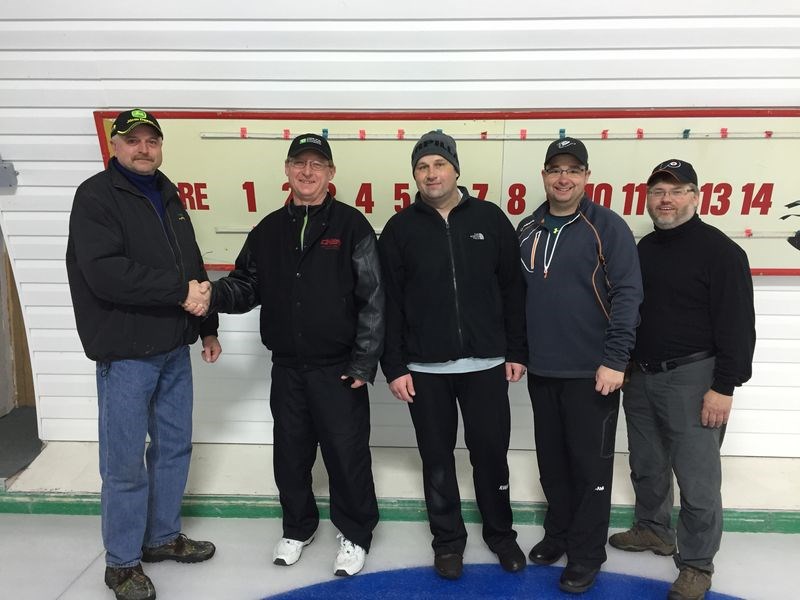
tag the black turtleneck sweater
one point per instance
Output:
(698, 296)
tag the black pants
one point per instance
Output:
(483, 398)
(575, 430)
(311, 407)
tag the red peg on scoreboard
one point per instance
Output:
(286, 134)
(243, 132)
(523, 134)
(639, 133)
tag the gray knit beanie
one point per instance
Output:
(436, 142)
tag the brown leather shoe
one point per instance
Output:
(130, 583)
(449, 566)
(691, 584)
(639, 539)
(181, 549)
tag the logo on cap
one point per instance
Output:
(138, 114)
(310, 140)
(564, 143)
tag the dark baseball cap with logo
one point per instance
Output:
(310, 141)
(569, 146)
(130, 119)
(680, 170)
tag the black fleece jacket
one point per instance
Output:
(453, 288)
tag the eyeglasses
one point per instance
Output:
(660, 193)
(571, 172)
(316, 165)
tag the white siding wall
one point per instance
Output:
(60, 61)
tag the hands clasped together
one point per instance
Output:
(198, 298)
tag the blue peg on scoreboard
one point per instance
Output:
(562, 133)
(686, 134)
(325, 132)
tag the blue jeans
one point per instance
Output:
(141, 494)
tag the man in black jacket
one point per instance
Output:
(455, 333)
(694, 345)
(313, 267)
(133, 266)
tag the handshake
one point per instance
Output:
(198, 299)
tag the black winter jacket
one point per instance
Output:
(321, 303)
(453, 288)
(127, 276)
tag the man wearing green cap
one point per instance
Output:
(134, 267)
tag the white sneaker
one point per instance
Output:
(350, 559)
(287, 552)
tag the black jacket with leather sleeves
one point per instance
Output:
(322, 300)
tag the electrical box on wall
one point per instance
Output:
(8, 177)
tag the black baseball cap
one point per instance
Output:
(310, 141)
(128, 120)
(569, 146)
(680, 170)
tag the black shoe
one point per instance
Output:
(576, 578)
(512, 558)
(546, 552)
(130, 583)
(449, 566)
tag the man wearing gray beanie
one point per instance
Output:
(455, 337)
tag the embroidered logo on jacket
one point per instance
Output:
(330, 243)
(477, 236)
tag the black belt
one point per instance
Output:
(673, 363)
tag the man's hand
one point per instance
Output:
(608, 380)
(211, 349)
(352, 382)
(514, 372)
(198, 298)
(403, 388)
(716, 409)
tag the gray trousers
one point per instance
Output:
(662, 412)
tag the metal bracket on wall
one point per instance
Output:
(8, 177)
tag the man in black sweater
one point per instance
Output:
(694, 346)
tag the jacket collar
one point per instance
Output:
(325, 208)
(421, 205)
(119, 180)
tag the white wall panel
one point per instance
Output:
(390, 95)
(59, 62)
(537, 65)
(419, 10)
